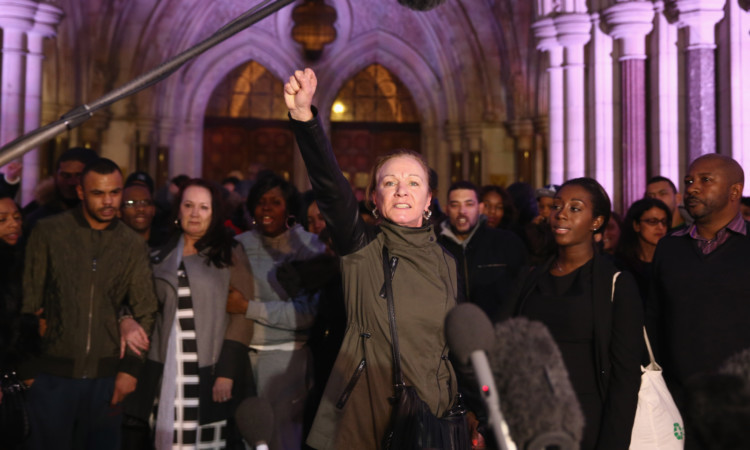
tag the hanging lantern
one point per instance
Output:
(313, 26)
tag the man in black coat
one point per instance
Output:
(698, 308)
(488, 259)
(67, 179)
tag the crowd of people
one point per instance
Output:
(141, 317)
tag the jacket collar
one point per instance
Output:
(81, 219)
(447, 231)
(397, 236)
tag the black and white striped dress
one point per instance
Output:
(187, 433)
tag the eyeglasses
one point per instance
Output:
(654, 221)
(137, 203)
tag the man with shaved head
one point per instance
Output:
(698, 309)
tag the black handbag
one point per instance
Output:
(14, 418)
(413, 425)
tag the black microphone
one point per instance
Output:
(469, 335)
(538, 399)
(421, 5)
(254, 417)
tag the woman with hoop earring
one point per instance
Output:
(283, 312)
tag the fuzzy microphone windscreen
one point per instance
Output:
(536, 395)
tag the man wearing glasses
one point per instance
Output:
(138, 209)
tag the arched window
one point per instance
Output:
(249, 90)
(373, 114)
(246, 125)
(374, 95)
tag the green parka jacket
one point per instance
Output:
(355, 410)
(80, 277)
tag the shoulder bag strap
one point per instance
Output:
(648, 346)
(614, 280)
(389, 266)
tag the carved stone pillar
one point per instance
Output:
(453, 136)
(145, 145)
(700, 18)
(522, 131)
(45, 21)
(90, 132)
(663, 98)
(602, 132)
(573, 32)
(629, 23)
(16, 18)
(473, 134)
(164, 138)
(546, 35)
(541, 176)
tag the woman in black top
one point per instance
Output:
(19, 336)
(593, 312)
(646, 222)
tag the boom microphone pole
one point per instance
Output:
(77, 116)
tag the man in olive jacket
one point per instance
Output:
(80, 265)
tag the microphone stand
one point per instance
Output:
(80, 114)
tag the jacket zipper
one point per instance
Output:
(350, 386)
(466, 276)
(91, 314)
(355, 376)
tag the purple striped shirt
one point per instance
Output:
(737, 225)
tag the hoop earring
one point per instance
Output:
(375, 213)
(427, 214)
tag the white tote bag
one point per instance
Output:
(658, 424)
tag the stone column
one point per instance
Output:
(541, 125)
(629, 23)
(522, 131)
(602, 132)
(90, 134)
(46, 19)
(165, 140)
(573, 32)
(16, 18)
(663, 98)
(700, 18)
(473, 171)
(453, 136)
(429, 145)
(733, 83)
(186, 150)
(546, 34)
(442, 162)
(144, 157)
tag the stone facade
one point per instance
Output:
(604, 88)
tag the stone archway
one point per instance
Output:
(187, 96)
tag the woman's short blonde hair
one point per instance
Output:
(372, 184)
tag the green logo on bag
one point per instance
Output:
(678, 433)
